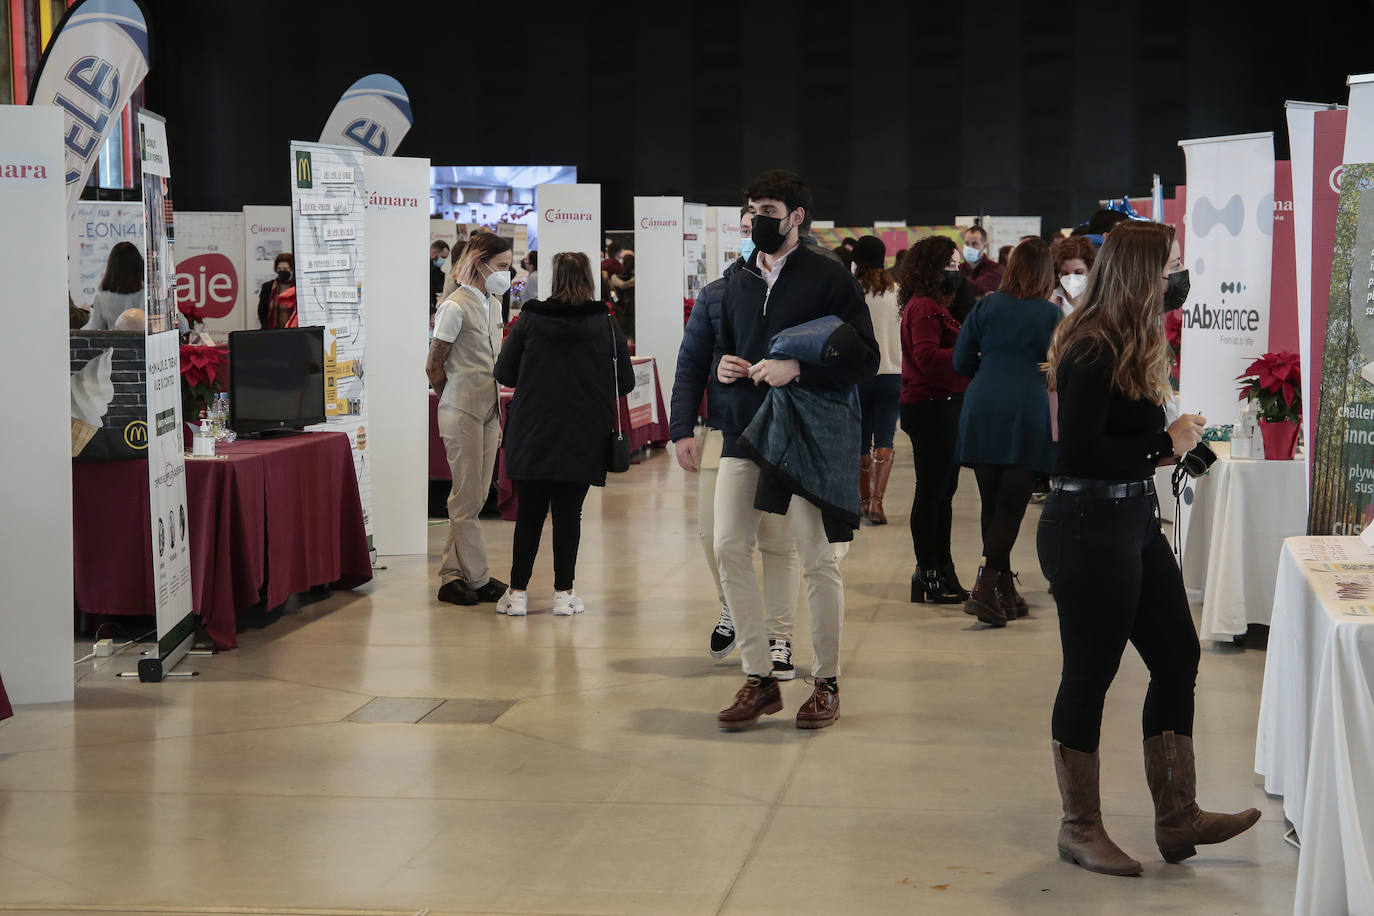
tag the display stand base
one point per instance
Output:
(158, 664)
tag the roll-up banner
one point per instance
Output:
(36, 487)
(1359, 126)
(570, 220)
(1328, 152)
(329, 197)
(398, 228)
(373, 115)
(266, 234)
(1230, 218)
(95, 60)
(695, 273)
(95, 227)
(722, 224)
(1343, 466)
(209, 275)
(166, 452)
(658, 277)
(1283, 276)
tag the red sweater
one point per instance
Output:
(928, 335)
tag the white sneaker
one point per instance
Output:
(565, 604)
(513, 603)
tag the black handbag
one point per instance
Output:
(618, 443)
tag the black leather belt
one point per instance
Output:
(1104, 490)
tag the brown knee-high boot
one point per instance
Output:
(1180, 825)
(1082, 838)
(882, 469)
(865, 483)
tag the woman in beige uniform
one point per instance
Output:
(462, 356)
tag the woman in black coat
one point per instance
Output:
(568, 362)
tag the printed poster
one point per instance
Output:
(96, 227)
(329, 200)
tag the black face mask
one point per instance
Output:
(768, 236)
(949, 284)
(1177, 292)
(283, 276)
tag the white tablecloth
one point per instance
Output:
(1241, 513)
(1315, 743)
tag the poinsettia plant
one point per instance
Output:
(204, 373)
(1274, 382)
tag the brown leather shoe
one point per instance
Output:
(458, 592)
(1180, 825)
(1012, 602)
(865, 483)
(754, 699)
(823, 707)
(985, 601)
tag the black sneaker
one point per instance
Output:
(457, 592)
(723, 636)
(781, 650)
(492, 591)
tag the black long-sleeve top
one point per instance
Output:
(1103, 434)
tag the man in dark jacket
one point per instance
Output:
(693, 377)
(783, 285)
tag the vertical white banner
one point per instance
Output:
(166, 452)
(569, 220)
(36, 487)
(329, 196)
(1230, 220)
(1301, 123)
(695, 272)
(658, 278)
(1359, 124)
(209, 275)
(725, 223)
(96, 227)
(266, 234)
(398, 230)
(443, 230)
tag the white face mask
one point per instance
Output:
(498, 281)
(1074, 284)
(972, 254)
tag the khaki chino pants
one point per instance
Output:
(776, 545)
(737, 526)
(471, 446)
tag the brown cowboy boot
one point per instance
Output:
(865, 483)
(1012, 601)
(984, 602)
(753, 700)
(882, 469)
(1082, 838)
(1180, 825)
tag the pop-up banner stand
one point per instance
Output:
(209, 275)
(658, 245)
(569, 220)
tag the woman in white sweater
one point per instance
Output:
(878, 396)
(121, 288)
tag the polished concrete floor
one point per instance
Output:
(380, 752)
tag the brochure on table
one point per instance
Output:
(329, 199)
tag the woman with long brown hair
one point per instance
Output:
(462, 357)
(1109, 565)
(878, 397)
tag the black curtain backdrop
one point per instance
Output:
(890, 110)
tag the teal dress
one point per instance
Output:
(1006, 416)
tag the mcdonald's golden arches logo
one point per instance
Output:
(304, 178)
(136, 435)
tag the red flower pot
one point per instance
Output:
(1280, 438)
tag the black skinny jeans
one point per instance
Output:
(1005, 491)
(933, 427)
(1115, 580)
(537, 499)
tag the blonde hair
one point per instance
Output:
(1120, 314)
(481, 246)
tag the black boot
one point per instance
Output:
(938, 585)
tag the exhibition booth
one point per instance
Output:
(220, 468)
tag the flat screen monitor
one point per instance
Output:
(276, 379)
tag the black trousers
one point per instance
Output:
(1115, 581)
(933, 427)
(1005, 491)
(539, 498)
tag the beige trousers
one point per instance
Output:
(471, 446)
(737, 527)
(776, 545)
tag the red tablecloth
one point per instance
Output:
(272, 518)
(5, 709)
(649, 434)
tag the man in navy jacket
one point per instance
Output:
(783, 285)
(693, 377)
